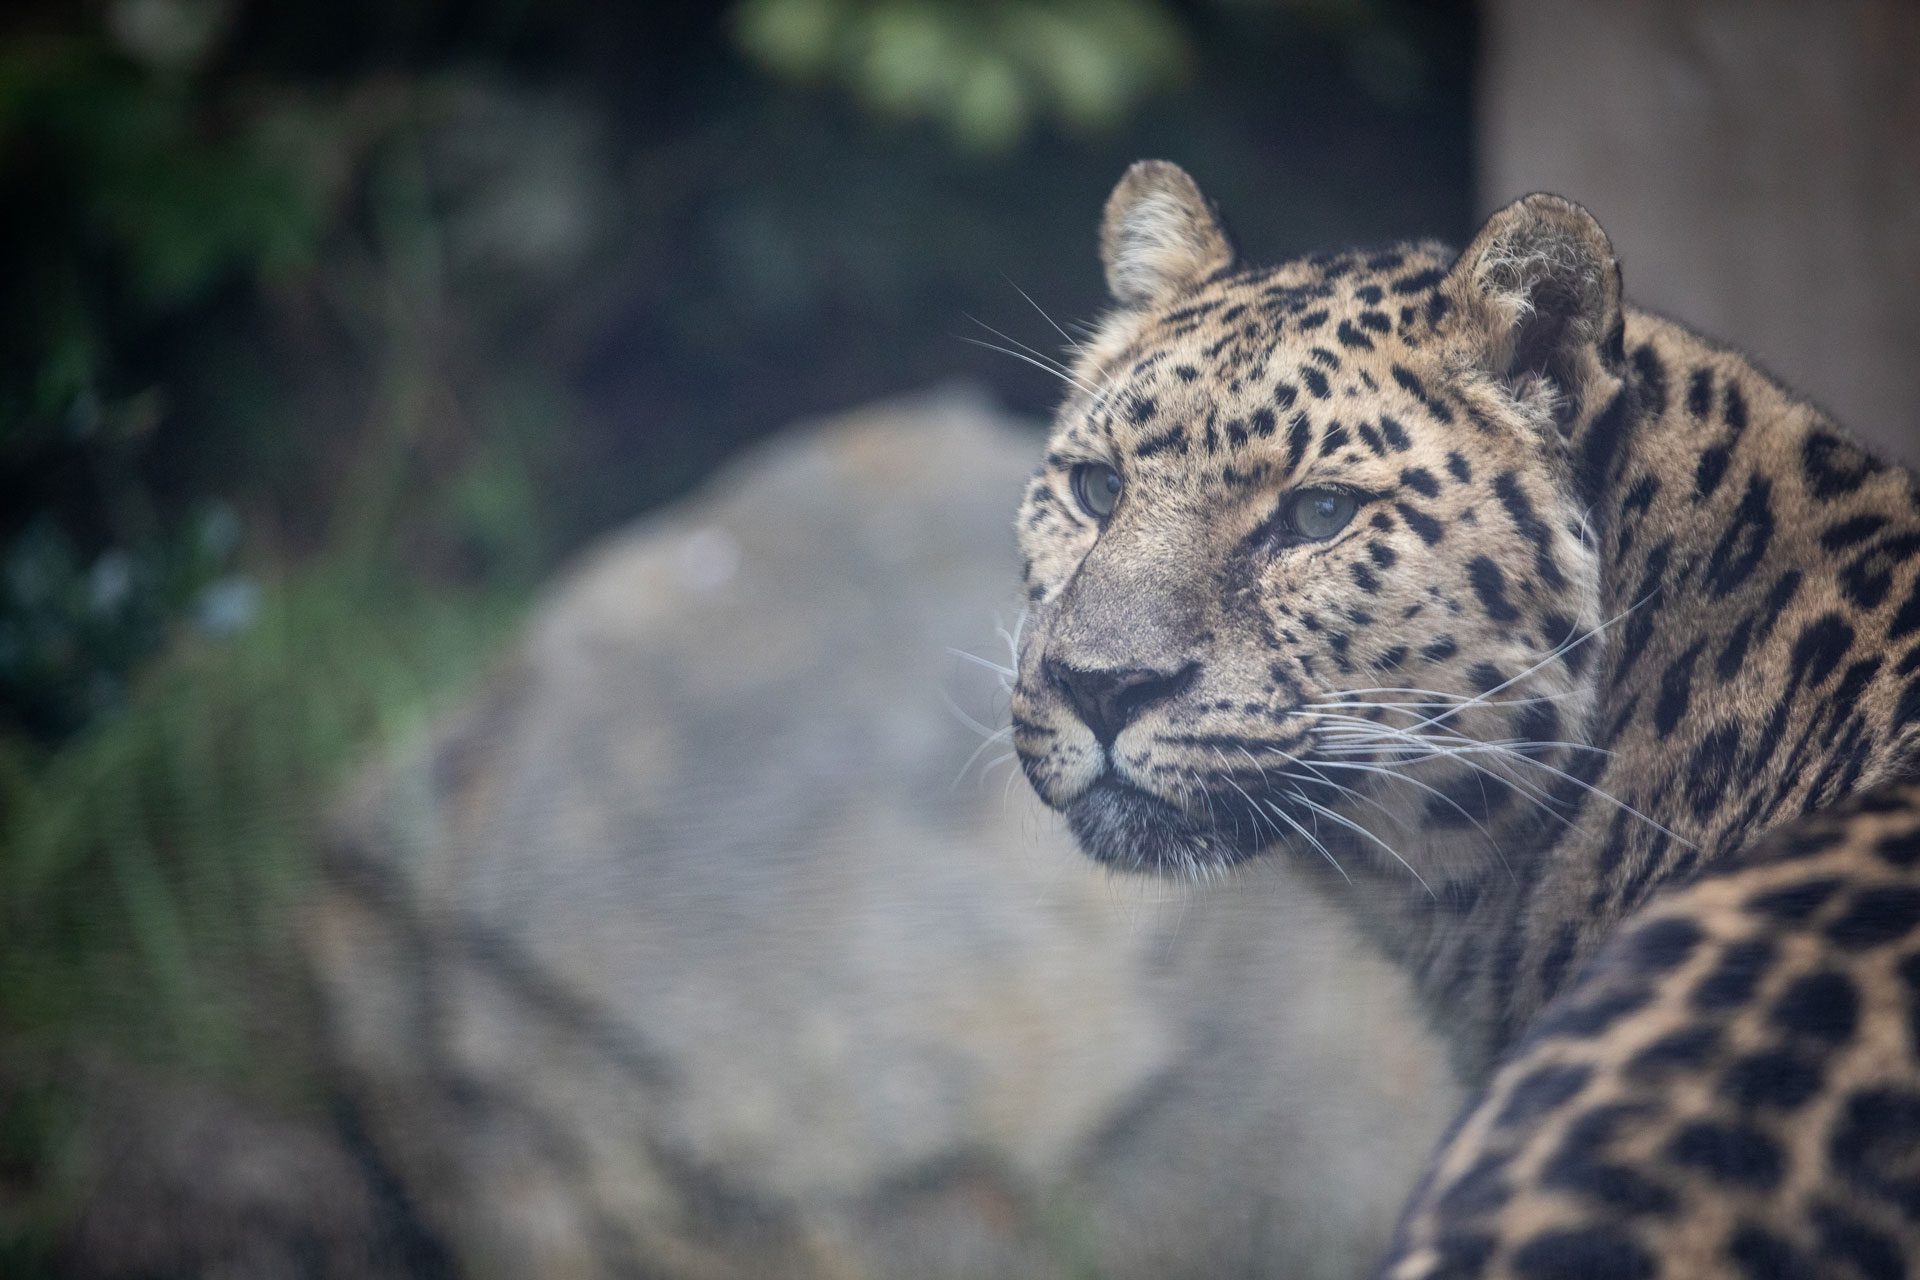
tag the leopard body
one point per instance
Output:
(1576, 653)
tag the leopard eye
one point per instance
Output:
(1096, 487)
(1318, 514)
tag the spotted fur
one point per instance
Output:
(1599, 710)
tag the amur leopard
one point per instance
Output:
(1575, 652)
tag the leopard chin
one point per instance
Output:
(1128, 829)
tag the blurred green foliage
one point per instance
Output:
(984, 71)
(125, 211)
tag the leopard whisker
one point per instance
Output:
(1428, 747)
(1072, 344)
(1067, 378)
(1053, 361)
(1006, 673)
(1333, 816)
(964, 717)
(1454, 700)
(1560, 650)
(1607, 796)
(1508, 744)
(1365, 725)
(1422, 751)
(1507, 752)
(1012, 639)
(1359, 797)
(986, 744)
(1253, 808)
(1441, 695)
(1388, 772)
(1310, 838)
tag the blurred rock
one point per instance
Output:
(681, 951)
(187, 1180)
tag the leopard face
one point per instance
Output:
(1307, 564)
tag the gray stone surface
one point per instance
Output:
(693, 946)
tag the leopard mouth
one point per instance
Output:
(1129, 829)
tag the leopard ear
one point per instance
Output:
(1159, 234)
(1539, 293)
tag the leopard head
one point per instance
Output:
(1308, 562)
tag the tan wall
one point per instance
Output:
(1757, 163)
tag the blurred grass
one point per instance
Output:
(150, 869)
(187, 818)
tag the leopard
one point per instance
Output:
(1568, 649)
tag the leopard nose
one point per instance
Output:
(1109, 698)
